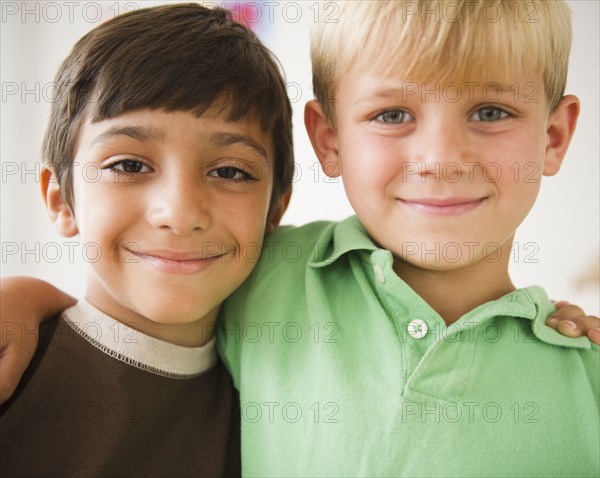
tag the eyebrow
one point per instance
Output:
(402, 92)
(382, 94)
(227, 139)
(139, 133)
(142, 134)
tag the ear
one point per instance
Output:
(323, 138)
(277, 213)
(59, 212)
(560, 129)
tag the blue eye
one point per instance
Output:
(230, 173)
(489, 113)
(394, 117)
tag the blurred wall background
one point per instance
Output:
(556, 247)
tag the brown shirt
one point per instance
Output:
(93, 403)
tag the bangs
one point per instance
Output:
(203, 74)
(447, 41)
(405, 46)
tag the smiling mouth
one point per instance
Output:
(177, 263)
(443, 207)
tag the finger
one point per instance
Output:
(568, 312)
(569, 328)
(576, 327)
(587, 323)
(594, 335)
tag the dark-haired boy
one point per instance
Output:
(127, 382)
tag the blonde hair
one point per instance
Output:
(441, 40)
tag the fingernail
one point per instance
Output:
(571, 324)
(552, 322)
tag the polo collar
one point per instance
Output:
(346, 236)
(537, 296)
(531, 304)
(350, 235)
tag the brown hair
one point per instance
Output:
(181, 57)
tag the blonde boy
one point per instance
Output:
(394, 343)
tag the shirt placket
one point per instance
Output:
(416, 324)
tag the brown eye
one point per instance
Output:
(132, 166)
(128, 166)
(230, 173)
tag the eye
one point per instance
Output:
(394, 117)
(230, 173)
(129, 166)
(489, 113)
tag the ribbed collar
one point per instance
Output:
(137, 349)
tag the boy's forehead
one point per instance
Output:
(478, 69)
(390, 85)
(147, 125)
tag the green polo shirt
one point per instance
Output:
(343, 370)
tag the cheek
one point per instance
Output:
(245, 217)
(522, 196)
(518, 189)
(248, 233)
(518, 158)
(369, 165)
(101, 216)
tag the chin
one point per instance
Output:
(438, 266)
(173, 312)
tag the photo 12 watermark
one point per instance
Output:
(296, 412)
(68, 11)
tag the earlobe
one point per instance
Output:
(59, 212)
(561, 127)
(323, 138)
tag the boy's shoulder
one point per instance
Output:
(315, 244)
(89, 383)
(83, 349)
(290, 255)
(305, 235)
(544, 307)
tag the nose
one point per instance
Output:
(442, 149)
(181, 204)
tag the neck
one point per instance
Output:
(453, 293)
(192, 334)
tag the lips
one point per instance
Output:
(176, 262)
(443, 206)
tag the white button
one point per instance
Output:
(379, 274)
(417, 328)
